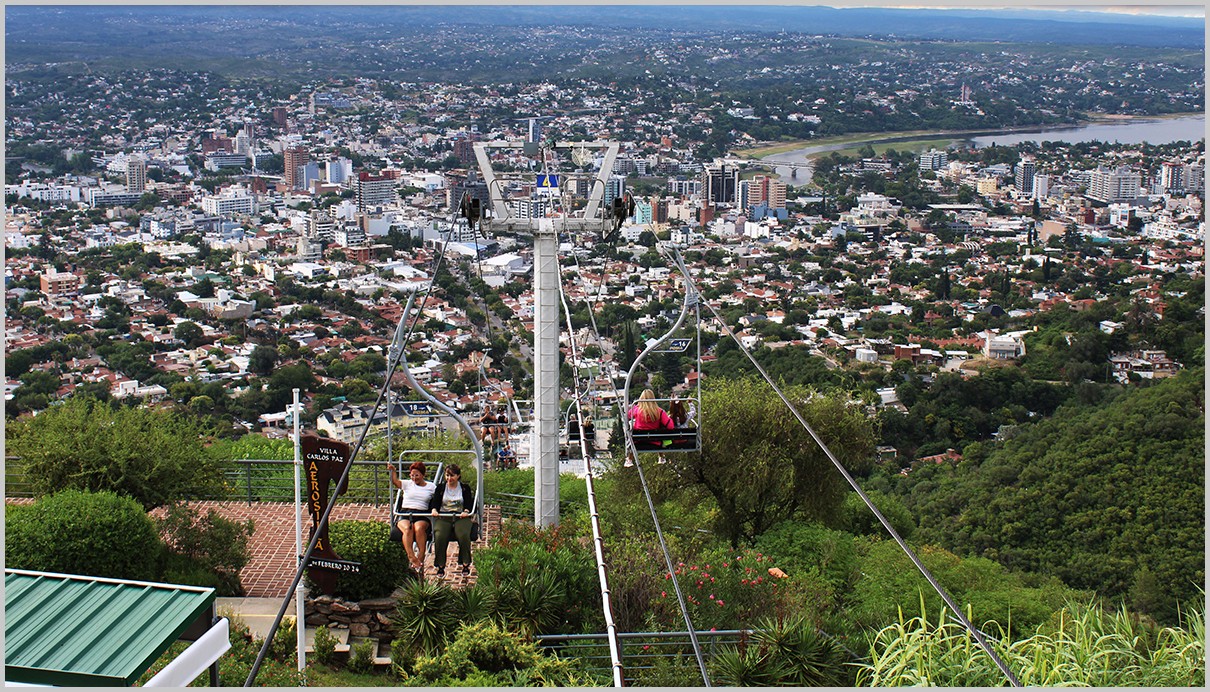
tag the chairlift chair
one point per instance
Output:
(686, 438)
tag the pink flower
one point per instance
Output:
(663, 594)
(712, 597)
(711, 580)
(669, 576)
(720, 601)
(726, 564)
(744, 582)
(694, 567)
(712, 629)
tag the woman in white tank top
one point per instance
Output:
(414, 524)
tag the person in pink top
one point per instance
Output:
(646, 414)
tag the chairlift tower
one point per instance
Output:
(544, 449)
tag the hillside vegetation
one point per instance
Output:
(1109, 498)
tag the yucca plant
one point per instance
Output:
(477, 602)
(535, 605)
(425, 615)
(746, 666)
(812, 659)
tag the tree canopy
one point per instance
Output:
(761, 466)
(154, 457)
(1110, 497)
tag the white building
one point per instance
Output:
(229, 202)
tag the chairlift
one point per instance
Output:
(476, 449)
(683, 437)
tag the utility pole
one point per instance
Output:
(544, 444)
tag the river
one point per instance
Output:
(1135, 131)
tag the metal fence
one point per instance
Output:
(272, 480)
(641, 651)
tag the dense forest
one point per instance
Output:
(1109, 497)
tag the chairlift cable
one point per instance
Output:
(633, 452)
(323, 519)
(979, 636)
(615, 645)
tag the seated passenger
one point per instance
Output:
(505, 458)
(676, 411)
(413, 523)
(646, 414)
(590, 433)
(454, 500)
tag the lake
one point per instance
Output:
(1157, 131)
(1151, 130)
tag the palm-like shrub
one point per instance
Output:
(812, 659)
(425, 615)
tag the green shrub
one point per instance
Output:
(800, 546)
(284, 646)
(514, 572)
(205, 550)
(1083, 646)
(487, 655)
(153, 456)
(809, 658)
(681, 671)
(324, 646)
(76, 532)
(425, 615)
(403, 659)
(361, 656)
(383, 566)
(856, 517)
(236, 663)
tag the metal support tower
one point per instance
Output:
(546, 374)
(544, 448)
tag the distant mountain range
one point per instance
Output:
(77, 27)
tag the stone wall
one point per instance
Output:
(368, 618)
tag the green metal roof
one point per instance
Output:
(71, 630)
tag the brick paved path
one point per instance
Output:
(271, 568)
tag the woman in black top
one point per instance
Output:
(455, 501)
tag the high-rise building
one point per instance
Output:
(1025, 177)
(338, 170)
(533, 131)
(933, 160)
(721, 183)
(373, 190)
(1118, 185)
(293, 158)
(1171, 174)
(642, 212)
(279, 115)
(765, 190)
(614, 187)
(136, 174)
(464, 149)
(1041, 186)
(660, 210)
(320, 226)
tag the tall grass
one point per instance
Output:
(1084, 645)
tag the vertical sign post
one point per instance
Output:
(300, 593)
(324, 461)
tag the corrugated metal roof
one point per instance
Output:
(66, 629)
